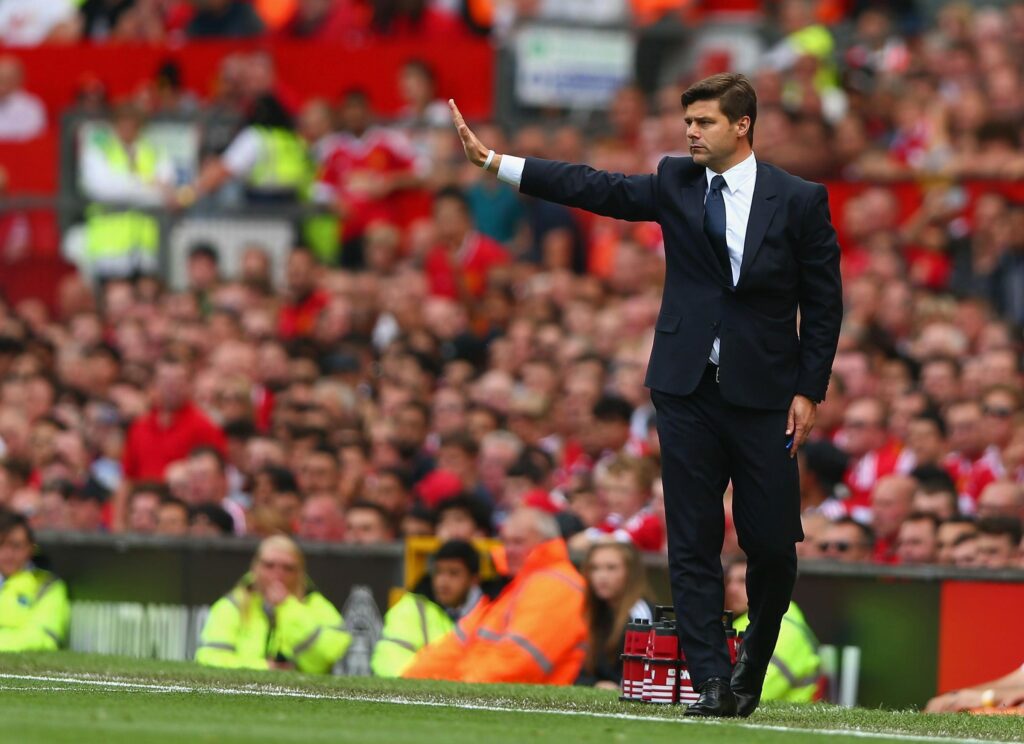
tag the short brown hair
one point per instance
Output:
(640, 468)
(734, 93)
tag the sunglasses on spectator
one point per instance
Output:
(840, 546)
(859, 424)
(996, 412)
(271, 565)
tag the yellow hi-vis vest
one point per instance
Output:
(121, 242)
(285, 164)
(795, 666)
(242, 632)
(286, 167)
(410, 625)
(34, 611)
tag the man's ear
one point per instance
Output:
(743, 126)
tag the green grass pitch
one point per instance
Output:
(68, 697)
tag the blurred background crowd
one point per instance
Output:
(433, 350)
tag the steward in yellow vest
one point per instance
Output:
(795, 666)
(274, 618)
(34, 609)
(449, 591)
(121, 169)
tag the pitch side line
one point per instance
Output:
(276, 691)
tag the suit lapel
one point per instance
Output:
(762, 208)
(693, 210)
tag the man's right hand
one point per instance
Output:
(475, 152)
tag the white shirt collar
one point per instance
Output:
(738, 177)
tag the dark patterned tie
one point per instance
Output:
(714, 223)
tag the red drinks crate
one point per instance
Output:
(634, 651)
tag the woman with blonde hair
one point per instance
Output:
(617, 591)
(274, 618)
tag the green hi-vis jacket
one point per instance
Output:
(795, 666)
(34, 611)
(244, 632)
(410, 625)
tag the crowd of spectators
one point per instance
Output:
(34, 22)
(489, 351)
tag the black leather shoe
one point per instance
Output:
(746, 685)
(716, 700)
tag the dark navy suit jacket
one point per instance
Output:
(790, 263)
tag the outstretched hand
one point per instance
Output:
(475, 152)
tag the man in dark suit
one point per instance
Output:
(747, 246)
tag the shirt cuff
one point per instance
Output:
(511, 170)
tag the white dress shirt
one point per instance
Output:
(22, 116)
(100, 182)
(738, 195)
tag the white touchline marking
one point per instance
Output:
(277, 691)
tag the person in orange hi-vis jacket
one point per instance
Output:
(533, 631)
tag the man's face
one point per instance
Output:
(948, 535)
(456, 460)
(84, 515)
(449, 411)
(890, 505)
(172, 520)
(998, 410)
(713, 139)
(940, 382)
(387, 490)
(355, 114)
(917, 542)
(318, 472)
(144, 513)
(964, 425)
(845, 543)
(127, 128)
(202, 272)
(452, 220)
(965, 553)
(519, 538)
(365, 527)
(863, 428)
(301, 273)
(451, 581)
(320, 520)
(456, 524)
(15, 550)
(995, 551)
(171, 385)
(1000, 500)
(207, 484)
(589, 507)
(410, 429)
(621, 493)
(938, 503)
(736, 589)
(926, 442)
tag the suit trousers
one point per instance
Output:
(705, 442)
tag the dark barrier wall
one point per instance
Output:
(920, 630)
(197, 572)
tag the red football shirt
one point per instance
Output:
(467, 268)
(644, 529)
(380, 151)
(298, 320)
(150, 447)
